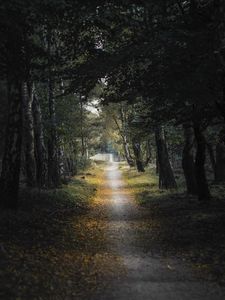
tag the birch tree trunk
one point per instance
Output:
(123, 134)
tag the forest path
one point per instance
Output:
(147, 276)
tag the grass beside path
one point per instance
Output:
(53, 248)
(177, 225)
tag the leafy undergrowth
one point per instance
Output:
(54, 247)
(177, 225)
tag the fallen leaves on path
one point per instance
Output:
(60, 252)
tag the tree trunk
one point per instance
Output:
(28, 131)
(53, 164)
(123, 135)
(83, 150)
(202, 184)
(11, 164)
(188, 160)
(40, 149)
(212, 158)
(166, 176)
(148, 153)
(220, 33)
(138, 156)
(127, 153)
(157, 163)
(220, 158)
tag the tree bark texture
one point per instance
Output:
(202, 184)
(220, 158)
(53, 163)
(11, 164)
(138, 155)
(123, 134)
(28, 134)
(148, 153)
(40, 148)
(212, 157)
(188, 160)
(166, 176)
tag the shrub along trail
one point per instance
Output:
(106, 248)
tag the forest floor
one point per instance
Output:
(111, 236)
(53, 247)
(180, 226)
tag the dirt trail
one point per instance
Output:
(147, 276)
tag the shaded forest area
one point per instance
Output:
(144, 80)
(160, 62)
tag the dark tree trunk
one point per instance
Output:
(166, 176)
(53, 163)
(220, 147)
(138, 156)
(157, 163)
(127, 153)
(220, 158)
(40, 149)
(148, 153)
(188, 160)
(11, 164)
(28, 131)
(212, 158)
(70, 166)
(220, 33)
(83, 148)
(202, 184)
